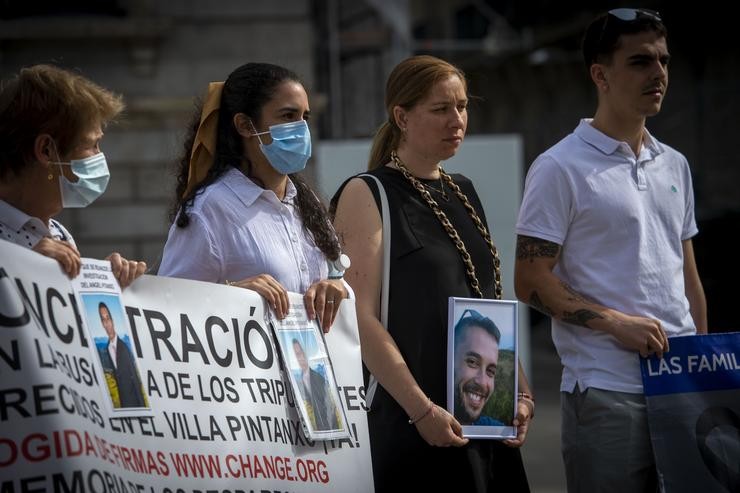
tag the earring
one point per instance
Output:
(51, 176)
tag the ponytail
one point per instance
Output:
(229, 150)
(178, 209)
(386, 139)
(408, 84)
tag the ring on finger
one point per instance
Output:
(330, 302)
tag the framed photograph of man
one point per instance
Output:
(482, 369)
(312, 380)
(120, 373)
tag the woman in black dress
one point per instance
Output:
(416, 444)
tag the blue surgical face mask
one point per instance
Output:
(290, 147)
(93, 175)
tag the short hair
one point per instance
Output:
(297, 342)
(47, 99)
(603, 34)
(102, 305)
(475, 319)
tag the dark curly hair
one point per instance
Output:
(247, 90)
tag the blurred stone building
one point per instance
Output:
(522, 60)
(159, 56)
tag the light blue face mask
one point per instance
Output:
(93, 176)
(290, 147)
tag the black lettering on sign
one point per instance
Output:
(56, 304)
(12, 302)
(250, 340)
(11, 356)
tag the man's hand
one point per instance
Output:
(644, 335)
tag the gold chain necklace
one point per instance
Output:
(450, 229)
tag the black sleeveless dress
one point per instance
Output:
(426, 269)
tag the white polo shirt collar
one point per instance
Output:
(651, 148)
(621, 244)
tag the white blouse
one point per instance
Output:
(238, 230)
(18, 227)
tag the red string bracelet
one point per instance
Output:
(423, 415)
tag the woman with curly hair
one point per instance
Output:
(242, 214)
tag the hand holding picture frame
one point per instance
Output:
(310, 374)
(482, 368)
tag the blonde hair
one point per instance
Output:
(44, 99)
(408, 84)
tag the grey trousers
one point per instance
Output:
(606, 442)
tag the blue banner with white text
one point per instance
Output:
(693, 399)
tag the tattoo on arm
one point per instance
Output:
(580, 317)
(537, 303)
(574, 295)
(529, 248)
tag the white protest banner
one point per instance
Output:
(693, 400)
(217, 414)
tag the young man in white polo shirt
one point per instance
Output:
(604, 248)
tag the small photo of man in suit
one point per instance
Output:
(316, 393)
(119, 365)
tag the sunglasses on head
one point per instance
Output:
(472, 314)
(629, 15)
(472, 317)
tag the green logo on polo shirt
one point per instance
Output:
(674, 189)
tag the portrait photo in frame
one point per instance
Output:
(482, 368)
(118, 368)
(310, 375)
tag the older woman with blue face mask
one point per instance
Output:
(242, 214)
(51, 125)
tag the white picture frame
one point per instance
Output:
(304, 352)
(483, 370)
(123, 377)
